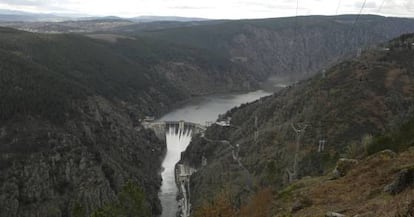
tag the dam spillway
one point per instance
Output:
(177, 135)
(195, 114)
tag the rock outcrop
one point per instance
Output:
(404, 179)
(52, 171)
(343, 166)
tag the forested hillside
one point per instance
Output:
(71, 141)
(359, 107)
(294, 47)
(70, 111)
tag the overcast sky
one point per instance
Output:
(218, 9)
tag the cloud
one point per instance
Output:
(371, 4)
(183, 7)
(233, 9)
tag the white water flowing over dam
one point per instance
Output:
(177, 139)
(199, 111)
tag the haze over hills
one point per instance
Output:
(72, 105)
(22, 16)
(65, 23)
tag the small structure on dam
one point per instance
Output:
(160, 127)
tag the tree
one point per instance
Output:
(220, 206)
(260, 204)
(131, 203)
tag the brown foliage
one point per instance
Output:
(259, 206)
(221, 206)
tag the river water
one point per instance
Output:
(199, 110)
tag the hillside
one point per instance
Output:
(370, 95)
(70, 112)
(286, 47)
(71, 142)
(138, 71)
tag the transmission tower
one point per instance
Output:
(299, 130)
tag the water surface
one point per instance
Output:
(207, 108)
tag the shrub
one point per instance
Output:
(131, 202)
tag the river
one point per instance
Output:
(199, 110)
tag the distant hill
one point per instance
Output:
(21, 16)
(144, 19)
(287, 47)
(51, 23)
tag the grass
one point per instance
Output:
(359, 192)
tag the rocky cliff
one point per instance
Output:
(57, 170)
(286, 47)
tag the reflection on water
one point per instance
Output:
(199, 111)
(208, 108)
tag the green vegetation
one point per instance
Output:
(398, 140)
(217, 37)
(131, 203)
(364, 96)
(47, 75)
(78, 210)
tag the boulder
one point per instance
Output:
(343, 166)
(334, 214)
(385, 154)
(301, 204)
(403, 179)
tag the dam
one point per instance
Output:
(177, 128)
(176, 177)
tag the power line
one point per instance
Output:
(359, 15)
(347, 42)
(296, 20)
(337, 7)
(293, 42)
(380, 7)
(297, 7)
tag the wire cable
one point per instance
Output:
(358, 17)
(337, 7)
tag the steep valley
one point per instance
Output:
(72, 143)
(359, 107)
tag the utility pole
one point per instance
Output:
(359, 52)
(256, 130)
(322, 143)
(299, 132)
(322, 140)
